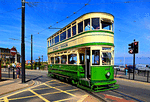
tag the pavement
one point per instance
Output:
(9, 85)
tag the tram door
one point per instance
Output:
(87, 66)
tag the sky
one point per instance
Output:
(132, 21)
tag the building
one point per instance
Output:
(6, 56)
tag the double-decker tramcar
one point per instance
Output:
(83, 52)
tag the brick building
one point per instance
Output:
(6, 56)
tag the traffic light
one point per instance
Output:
(131, 48)
(136, 45)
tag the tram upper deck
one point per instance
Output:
(94, 28)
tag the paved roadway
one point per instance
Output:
(49, 89)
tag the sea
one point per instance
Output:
(129, 60)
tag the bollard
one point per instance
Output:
(144, 72)
(147, 75)
(13, 73)
(116, 73)
(9, 72)
(129, 74)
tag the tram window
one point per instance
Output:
(57, 60)
(106, 25)
(56, 39)
(74, 30)
(69, 33)
(95, 23)
(95, 57)
(106, 58)
(80, 27)
(72, 59)
(81, 58)
(52, 60)
(63, 59)
(87, 25)
(63, 36)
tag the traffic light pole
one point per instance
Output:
(133, 63)
(31, 53)
(22, 42)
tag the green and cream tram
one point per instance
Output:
(83, 52)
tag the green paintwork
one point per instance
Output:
(97, 83)
(99, 73)
(73, 71)
(82, 34)
(86, 44)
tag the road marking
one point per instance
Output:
(39, 96)
(22, 97)
(62, 86)
(60, 90)
(6, 99)
(133, 81)
(72, 90)
(64, 99)
(83, 97)
(41, 89)
(50, 81)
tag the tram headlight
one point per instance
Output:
(108, 74)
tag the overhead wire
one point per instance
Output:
(10, 10)
(66, 17)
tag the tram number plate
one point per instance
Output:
(107, 68)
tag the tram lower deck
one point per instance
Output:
(89, 67)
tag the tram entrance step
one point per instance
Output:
(84, 81)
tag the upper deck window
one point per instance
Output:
(56, 39)
(106, 25)
(69, 33)
(80, 27)
(63, 36)
(87, 25)
(74, 30)
(95, 23)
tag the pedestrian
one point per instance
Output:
(8, 67)
(126, 70)
(18, 70)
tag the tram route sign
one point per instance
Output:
(13, 51)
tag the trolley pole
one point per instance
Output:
(31, 53)
(133, 64)
(22, 42)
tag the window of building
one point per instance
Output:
(81, 56)
(69, 33)
(74, 30)
(80, 27)
(63, 36)
(57, 39)
(106, 58)
(57, 59)
(95, 57)
(63, 59)
(95, 23)
(50, 42)
(53, 41)
(52, 60)
(72, 59)
(106, 25)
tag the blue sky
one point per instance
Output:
(132, 21)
